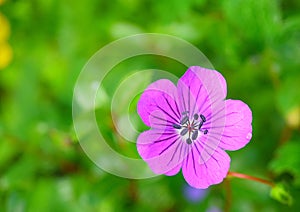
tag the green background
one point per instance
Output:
(254, 44)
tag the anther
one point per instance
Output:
(196, 116)
(195, 135)
(203, 118)
(185, 112)
(176, 126)
(188, 141)
(200, 125)
(184, 120)
(184, 131)
(205, 132)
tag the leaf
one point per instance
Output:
(288, 160)
(261, 28)
(289, 95)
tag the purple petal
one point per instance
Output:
(157, 105)
(201, 174)
(199, 89)
(238, 129)
(174, 170)
(163, 151)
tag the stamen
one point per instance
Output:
(185, 112)
(191, 126)
(200, 125)
(184, 120)
(184, 131)
(195, 135)
(188, 141)
(176, 126)
(203, 118)
(196, 116)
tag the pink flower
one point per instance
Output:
(191, 126)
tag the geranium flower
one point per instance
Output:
(191, 127)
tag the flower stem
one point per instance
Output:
(228, 192)
(248, 177)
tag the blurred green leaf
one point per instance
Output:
(287, 160)
(280, 193)
(7, 151)
(257, 21)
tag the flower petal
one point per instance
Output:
(157, 105)
(174, 170)
(200, 174)
(238, 129)
(199, 89)
(163, 151)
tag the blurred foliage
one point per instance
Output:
(255, 44)
(280, 193)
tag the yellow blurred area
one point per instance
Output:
(5, 55)
(4, 27)
(293, 117)
(2, 1)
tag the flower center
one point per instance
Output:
(189, 129)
